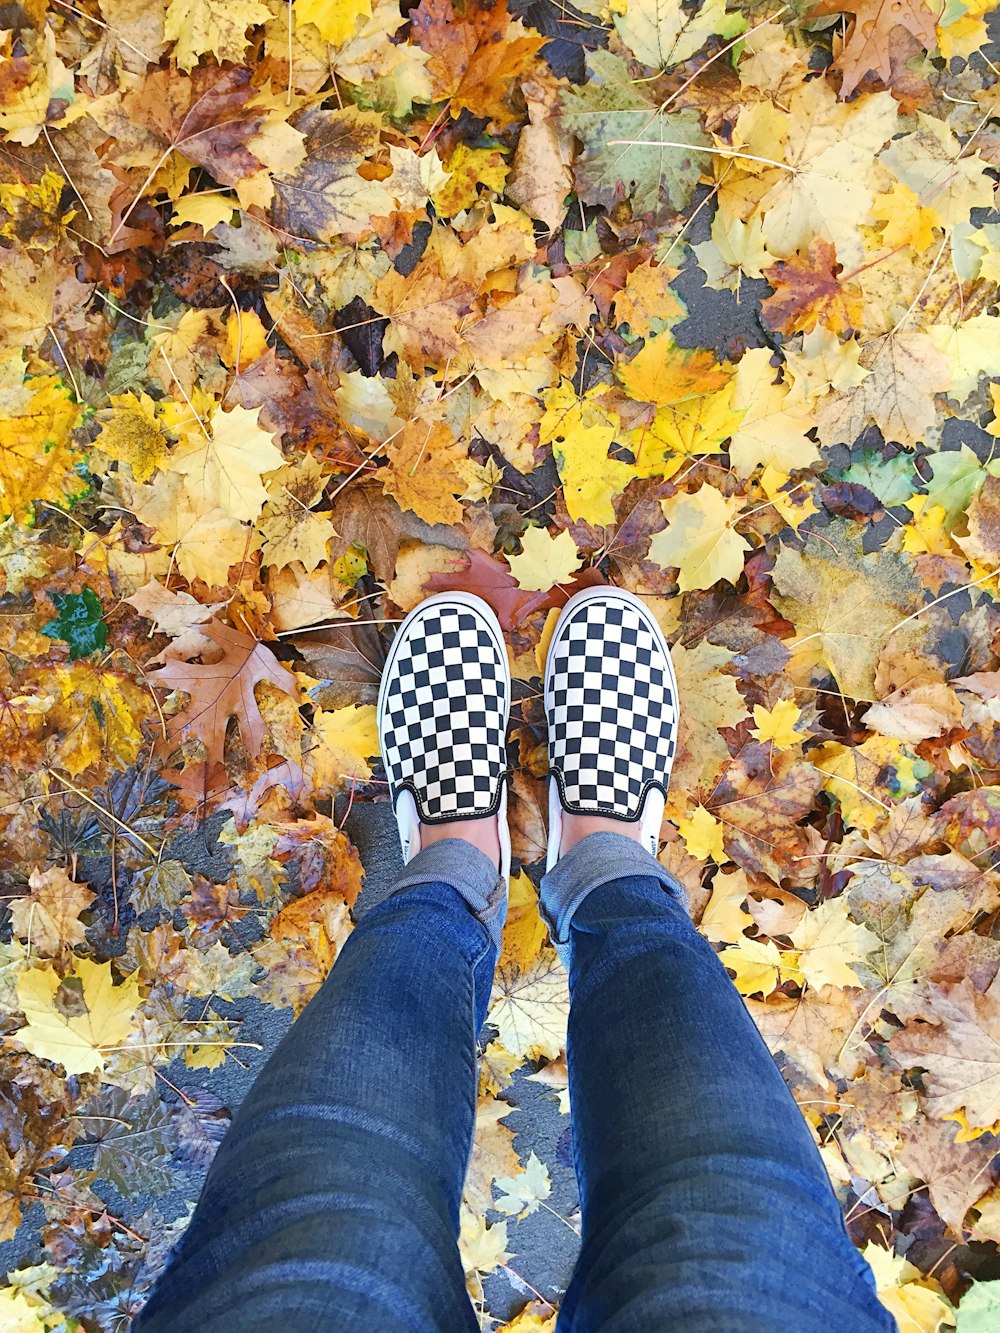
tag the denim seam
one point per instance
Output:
(599, 858)
(471, 874)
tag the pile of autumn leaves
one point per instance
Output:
(303, 321)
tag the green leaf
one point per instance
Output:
(979, 1311)
(661, 34)
(957, 476)
(890, 480)
(80, 623)
(628, 141)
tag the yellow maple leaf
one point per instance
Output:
(736, 250)
(246, 339)
(95, 717)
(226, 461)
(182, 344)
(648, 298)
(700, 542)
(777, 724)
(78, 1041)
(218, 26)
(757, 966)
(33, 75)
(672, 376)
(521, 1194)
(38, 461)
(530, 1009)
(346, 737)
(907, 220)
(845, 604)
(524, 930)
(290, 529)
(581, 433)
(48, 918)
(829, 944)
(427, 469)
(853, 771)
(661, 34)
(34, 214)
(496, 1069)
(203, 540)
(468, 168)
(793, 503)
(724, 919)
(207, 208)
(132, 435)
(335, 23)
(23, 1311)
(544, 561)
(830, 147)
(702, 834)
(916, 1302)
(481, 1246)
(771, 428)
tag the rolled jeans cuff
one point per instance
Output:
(469, 872)
(599, 858)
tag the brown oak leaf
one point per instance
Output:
(868, 48)
(221, 690)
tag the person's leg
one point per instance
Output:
(333, 1201)
(705, 1203)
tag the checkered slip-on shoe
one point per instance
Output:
(611, 704)
(442, 718)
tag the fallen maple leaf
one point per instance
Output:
(953, 1035)
(325, 197)
(478, 54)
(544, 561)
(530, 1009)
(700, 541)
(225, 460)
(219, 26)
(427, 469)
(48, 918)
(524, 931)
(845, 606)
(345, 741)
(79, 1041)
(38, 461)
(809, 290)
(661, 34)
(829, 944)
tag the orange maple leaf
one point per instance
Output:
(478, 54)
(808, 290)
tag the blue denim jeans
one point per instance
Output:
(333, 1202)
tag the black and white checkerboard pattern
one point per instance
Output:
(445, 714)
(612, 720)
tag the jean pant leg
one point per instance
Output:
(333, 1202)
(705, 1203)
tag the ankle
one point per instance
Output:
(576, 827)
(481, 833)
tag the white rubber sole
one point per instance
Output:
(651, 816)
(405, 808)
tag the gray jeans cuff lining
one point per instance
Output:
(469, 872)
(599, 858)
